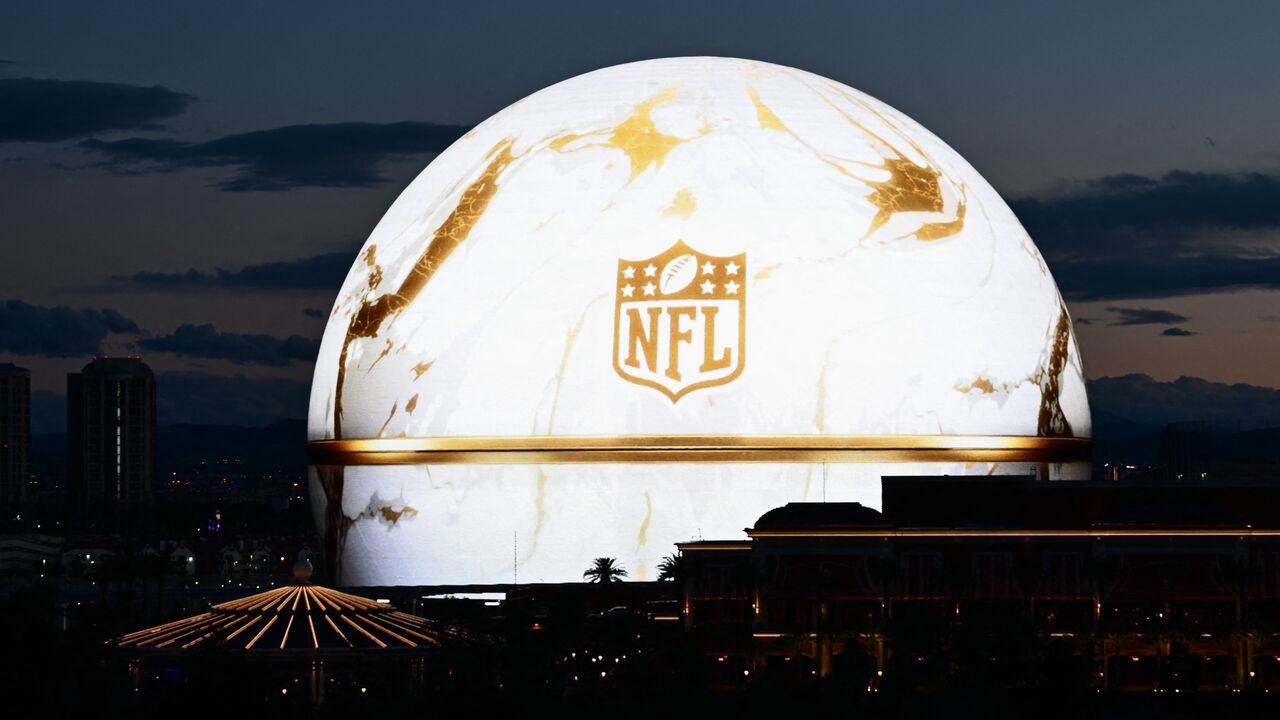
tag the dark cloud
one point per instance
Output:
(1139, 398)
(1130, 277)
(1130, 236)
(33, 110)
(228, 400)
(206, 341)
(1178, 200)
(313, 312)
(57, 331)
(332, 155)
(1145, 316)
(1177, 332)
(316, 272)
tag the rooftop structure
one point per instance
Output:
(302, 637)
(301, 618)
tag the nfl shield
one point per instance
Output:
(680, 320)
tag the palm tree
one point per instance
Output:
(673, 568)
(604, 570)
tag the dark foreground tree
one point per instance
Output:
(604, 570)
(673, 568)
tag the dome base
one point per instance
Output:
(454, 524)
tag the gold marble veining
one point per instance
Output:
(637, 136)
(421, 368)
(820, 412)
(393, 516)
(387, 422)
(1053, 421)
(981, 384)
(767, 118)
(386, 350)
(367, 320)
(910, 188)
(570, 338)
(682, 205)
(375, 270)
(937, 231)
(412, 405)
(560, 143)
(642, 537)
(539, 506)
(766, 271)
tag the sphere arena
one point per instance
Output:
(652, 302)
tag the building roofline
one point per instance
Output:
(1017, 533)
(714, 545)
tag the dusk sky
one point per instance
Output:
(191, 182)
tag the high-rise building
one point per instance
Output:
(111, 433)
(15, 439)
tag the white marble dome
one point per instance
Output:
(687, 247)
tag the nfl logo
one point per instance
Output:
(680, 322)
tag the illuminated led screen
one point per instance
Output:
(652, 302)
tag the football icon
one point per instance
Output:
(678, 274)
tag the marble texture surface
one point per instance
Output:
(890, 290)
(426, 525)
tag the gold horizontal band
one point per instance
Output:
(699, 449)
(995, 533)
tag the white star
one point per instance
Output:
(708, 287)
(629, 272)
(649, 288)
(651, 270)
(731, 287)
(628, 290)
(708, 268)
(731, 268)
